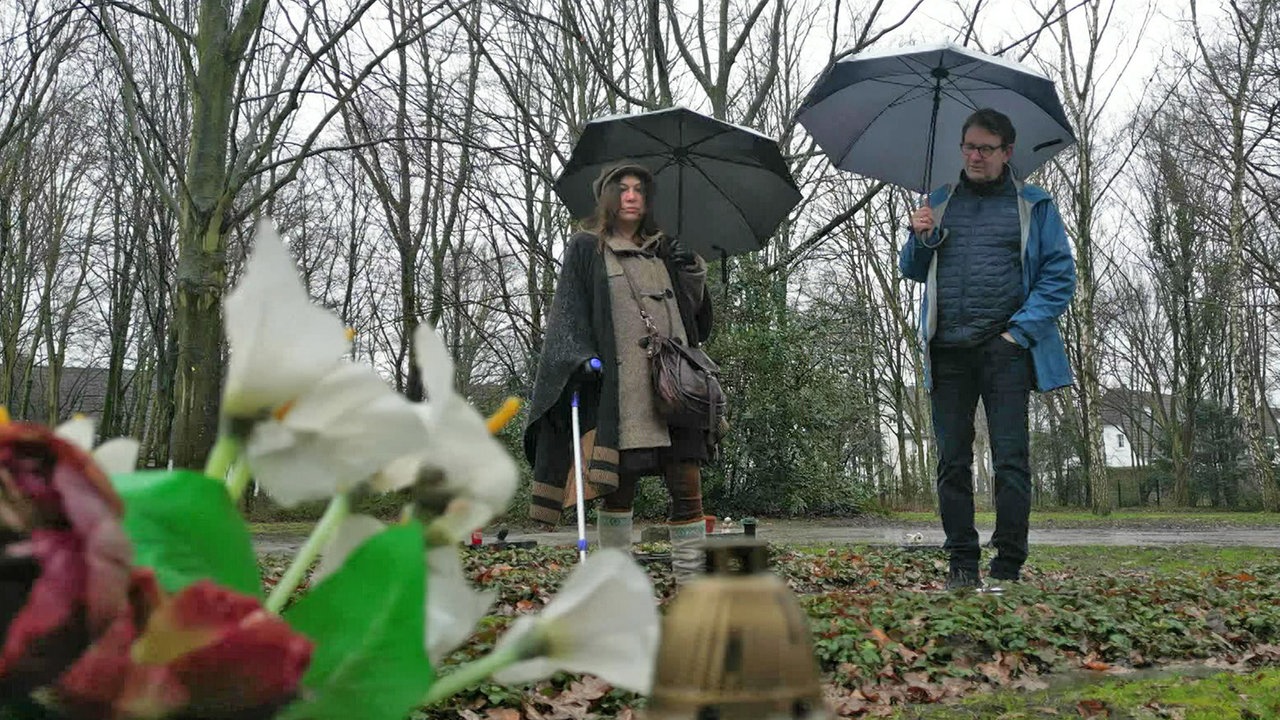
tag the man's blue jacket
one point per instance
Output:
(1048, 282)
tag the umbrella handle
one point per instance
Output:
(942, 236)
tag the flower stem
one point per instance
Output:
(470, 674)
(504, 415)
(239, 480)
(339, 508)
(223, 454)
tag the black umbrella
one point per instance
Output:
(721, 188)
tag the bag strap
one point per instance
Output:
(648, 319)
(656, 338)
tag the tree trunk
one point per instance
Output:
(1250, 24)
(202, 248)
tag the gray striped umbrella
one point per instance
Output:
(896, 115)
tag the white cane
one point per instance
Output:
(592, 365)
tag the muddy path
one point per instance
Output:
(859, 531)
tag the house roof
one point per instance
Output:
(80, 390)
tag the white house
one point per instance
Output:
(1118, 447)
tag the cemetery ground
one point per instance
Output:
(1107, 629)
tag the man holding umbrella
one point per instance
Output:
(998, 272)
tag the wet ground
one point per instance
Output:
(858, 531)
(807, 532)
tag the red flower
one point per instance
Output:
(64, 557)
(207, 652)
(104, 637)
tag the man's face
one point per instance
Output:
(979, 142)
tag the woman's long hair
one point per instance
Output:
(604, 220)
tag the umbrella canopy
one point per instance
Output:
(721, 188)
(896, 115)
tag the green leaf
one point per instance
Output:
(21, 708)
(367, 622)
(184, 526)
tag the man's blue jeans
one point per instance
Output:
(1000, 373)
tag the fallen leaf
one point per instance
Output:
(848, 670)
(1093, 709)
(908, 655)
(924, 692)
(844, 703)
(589, 687)
(1029, 684)
(880, 637)
(996, 672)
(1262, 654)
(1167, 712)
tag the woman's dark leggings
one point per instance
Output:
(684, 484)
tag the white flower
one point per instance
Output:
(453, 607)
(473, 467)
(604, 622)
(115, 456)
(281, 343)
(337, 434)
(351, 534)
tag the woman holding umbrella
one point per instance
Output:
(620, 276)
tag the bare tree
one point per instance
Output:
(35, 40)
(249, 71)
(1231, 73)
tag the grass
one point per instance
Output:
(1136, 518)
(1091, 559)
(281, 528)
(1220, 696)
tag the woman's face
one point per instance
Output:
(631, 200)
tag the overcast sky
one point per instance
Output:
(1141, 41)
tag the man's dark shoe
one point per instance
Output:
(1000, 579)
(959, 579)
(1004, 576)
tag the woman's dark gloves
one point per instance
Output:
(679, 254)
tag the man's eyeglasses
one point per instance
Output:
(983, 150)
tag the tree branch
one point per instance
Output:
(703, 78)
(134, 108)
(813, 240)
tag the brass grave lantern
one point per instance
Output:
(736, 645)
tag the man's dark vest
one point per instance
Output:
(980, 264)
